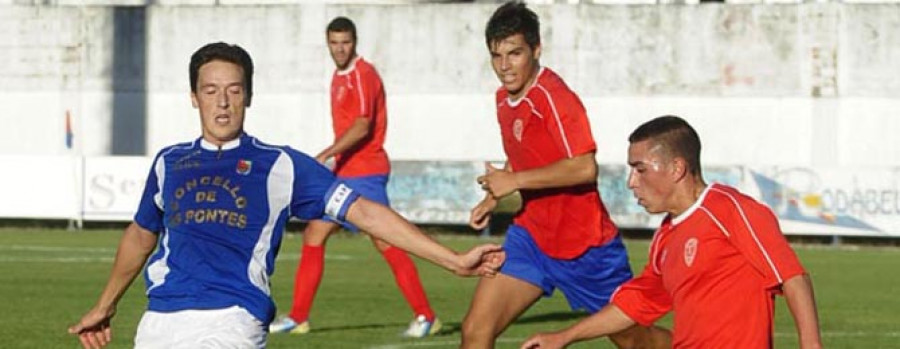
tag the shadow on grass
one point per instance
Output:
(451, 328)
(360, 327)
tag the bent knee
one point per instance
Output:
(640, 337)
(477, 334)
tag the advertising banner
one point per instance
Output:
(861, 202)
(113, 186)
(807, 201)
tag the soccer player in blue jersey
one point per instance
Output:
(214, 210)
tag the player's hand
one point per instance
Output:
(323, 159)
(478, 262)
(491, 263)
(545, 341)
(480, 215)
(498, 182)
(93, 329)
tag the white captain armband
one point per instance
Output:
(338, 201)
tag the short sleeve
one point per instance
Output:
(368, 91)
(756, 234)
(149, 213)
(569, 123)
(361, 101)
(643, 299)
(317, 191)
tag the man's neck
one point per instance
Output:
(686, 195)
(350, 63)
(528, 84)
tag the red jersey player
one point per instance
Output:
(717, 261)
(359, 118)
(562, 238)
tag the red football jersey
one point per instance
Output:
(546, 125)
(719, 266)
(358, 92)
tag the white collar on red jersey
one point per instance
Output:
(350, 66)
(687, 213)
(514, 103)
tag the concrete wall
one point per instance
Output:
(804, 85)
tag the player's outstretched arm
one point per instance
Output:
(607, 321)
(798, 292)
(383, 223)
(135, 246)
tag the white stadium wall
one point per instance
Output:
(810, 84)
(767, 86)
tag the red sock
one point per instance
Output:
(408, 280)
(306, 281)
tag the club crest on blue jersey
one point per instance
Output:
(244, 167)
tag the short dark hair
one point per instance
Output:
(675, 135)
(342, 24)
(510, 19)
(220, 51)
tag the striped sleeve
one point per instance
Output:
(567, 121)
(643, 299)
(753, 229)
(362, 93)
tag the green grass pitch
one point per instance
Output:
(48, 278)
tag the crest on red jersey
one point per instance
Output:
(340, 92)
(690, 251)
(518, 127)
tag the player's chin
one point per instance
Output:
(513, 87)
(651, 209)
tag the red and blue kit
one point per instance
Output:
(358, 92)
(549, 124)
(718, 265)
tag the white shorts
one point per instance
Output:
(232, 327)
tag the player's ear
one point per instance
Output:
(537, 52)
(679, 168)
(194, 101)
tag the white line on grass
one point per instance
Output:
(108, 251)
(328, 256)
(827, 334)
(890, 334)
(437, 344)
(55, 259)
(40, 248)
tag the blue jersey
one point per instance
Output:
(220, 215)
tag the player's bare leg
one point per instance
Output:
(496, 303)
(318, 231)
(381, 245)
(640, 337)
